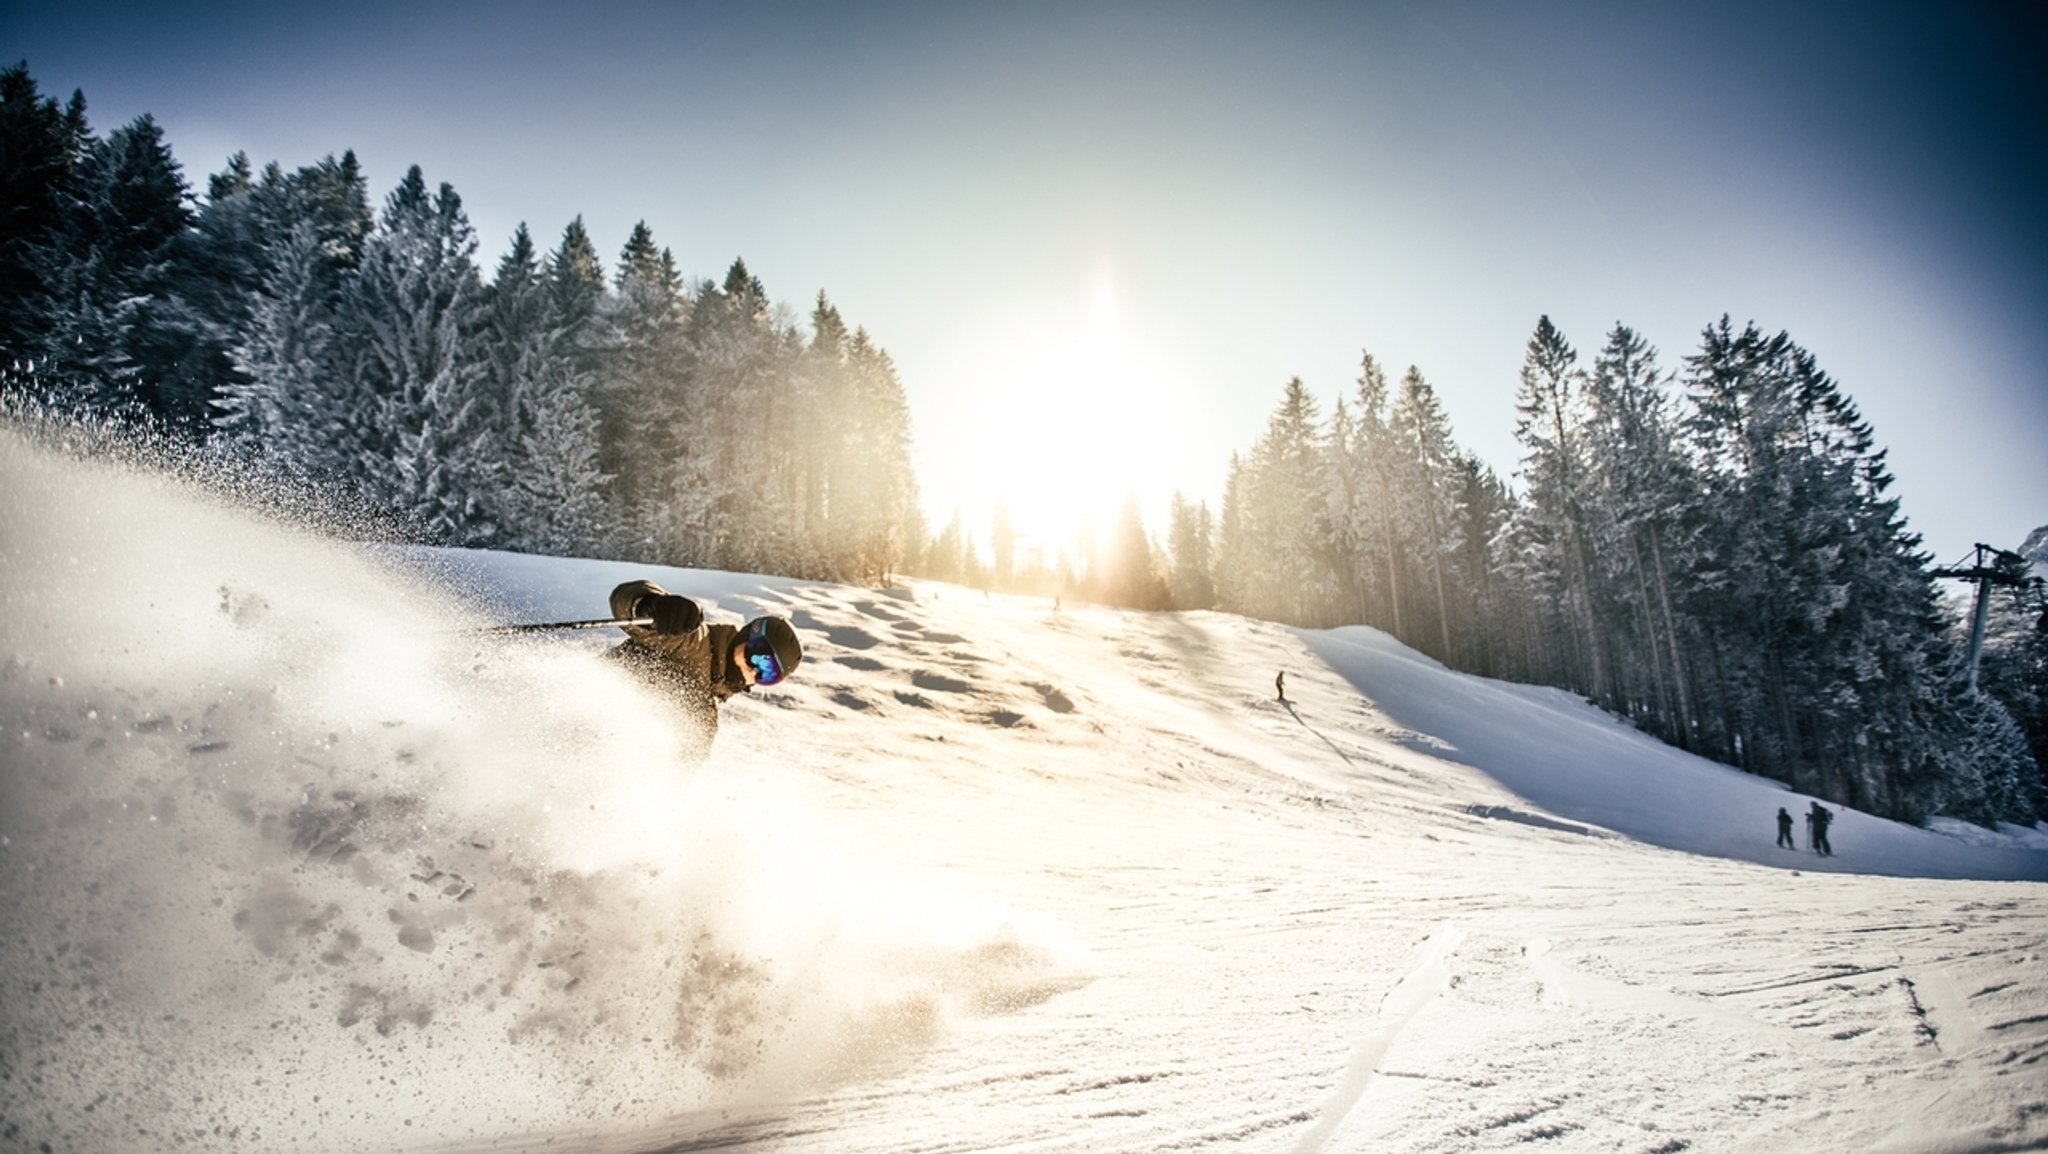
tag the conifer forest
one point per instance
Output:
(1707, 545)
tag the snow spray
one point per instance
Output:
(286, 864)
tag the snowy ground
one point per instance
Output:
(289, 863)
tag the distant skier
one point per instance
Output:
(699, 665)
(1819, 817)
(1785, 829)
(1280, 685)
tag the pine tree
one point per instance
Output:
(87, 277)
(1344, 475)
(280, 407)
(423, 436)
(224, 273)
(1837, 676)
(1190, 543)
(1991, 775)
(1235, 549)
(577, 311)
(1130, 570)
(143, 217)
(2013, 668)
(1641, 518)
(1481, 511)
(512, 332)
(554, 500)
(642, 395)
(1280, 551)
(249, 226)
(1554, 469)
(885, 506)
(946, 557)
(79, 362)
(40, 178)
(1430, 488)
(1380, 552)
(823, 396)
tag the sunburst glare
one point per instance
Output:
(1072, 412)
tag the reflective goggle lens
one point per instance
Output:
(761, 655)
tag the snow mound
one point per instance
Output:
(1576, 761)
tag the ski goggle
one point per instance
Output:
(761, 655)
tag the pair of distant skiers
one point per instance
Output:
(1818, 819)
(696, 664)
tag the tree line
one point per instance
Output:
(549, 407)
(1712, 552)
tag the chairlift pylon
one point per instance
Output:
(1991, 566)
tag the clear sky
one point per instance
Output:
(1098, 239)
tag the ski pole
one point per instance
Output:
(544, 626)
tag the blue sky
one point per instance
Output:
(1098, 240)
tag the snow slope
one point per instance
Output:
(288, 861)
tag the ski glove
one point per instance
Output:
(672, 614)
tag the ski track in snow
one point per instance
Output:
(289, 866)
(1415, 991)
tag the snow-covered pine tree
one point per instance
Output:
(1481, 511)
(1835, 673)
(222, 277)
(1343, 473)
(1281, 547)
(642, 395)
(1231, 567)
(884, 511)
(1529, 632)
(1429, 491)
(2014, 665)
(1641, 492)
(280, 407)
(424, 441)
(554, 497)
(1554, 471)
(1988, 775)
(246, 221)
(575, 277)
(39, 180)
(90, 269)
(512, 340)
(585, 343)
(1381, 554)
(734, 495)
(79, 364)
(821, 418)
(144, 213)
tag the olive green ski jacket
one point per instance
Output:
(695, 669)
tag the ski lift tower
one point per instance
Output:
(1989, 567)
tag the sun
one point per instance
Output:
(1069, 412)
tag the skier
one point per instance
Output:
(699, 665)
(1785, 829)
(1280, 685)
(1820, 817)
